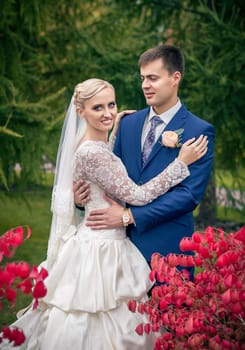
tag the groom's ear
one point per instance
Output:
(177, 77)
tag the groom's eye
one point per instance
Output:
(153, 77)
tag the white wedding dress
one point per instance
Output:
(97, 272)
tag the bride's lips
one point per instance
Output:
(107, 121)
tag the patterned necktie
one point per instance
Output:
(150, 138)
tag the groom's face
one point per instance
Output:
(159, 86)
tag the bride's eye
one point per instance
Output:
(112, 105)
(97, 108)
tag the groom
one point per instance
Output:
(160, 225)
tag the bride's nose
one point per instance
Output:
(107, 112)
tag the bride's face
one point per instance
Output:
(100, 111)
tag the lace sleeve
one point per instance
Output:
(99, 165)
(111, 143)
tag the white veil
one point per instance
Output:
(62, 205)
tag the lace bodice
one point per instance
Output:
(94, 162)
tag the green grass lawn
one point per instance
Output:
(227, 215)
(32, 209)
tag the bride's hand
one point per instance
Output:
(119, 117)
(193, 150)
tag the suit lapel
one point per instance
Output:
(178, 121)
(136, 133)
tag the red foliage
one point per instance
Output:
(207, 313)
(14, 335)
(18, 277)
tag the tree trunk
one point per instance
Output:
(207, 209)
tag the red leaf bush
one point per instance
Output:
(15, 278)
(208, 312)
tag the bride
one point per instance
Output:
(93, 274)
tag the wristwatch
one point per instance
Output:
(125, 217)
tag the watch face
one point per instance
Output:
(126, 218)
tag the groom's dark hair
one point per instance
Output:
(172, 57)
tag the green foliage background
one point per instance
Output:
(48, 47)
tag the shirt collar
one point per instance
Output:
(168, 115)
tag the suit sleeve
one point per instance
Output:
(181, 199)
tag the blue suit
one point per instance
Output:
(161, 224)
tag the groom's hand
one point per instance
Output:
(81, 192)
(107, 218)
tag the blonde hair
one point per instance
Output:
(87, 89)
